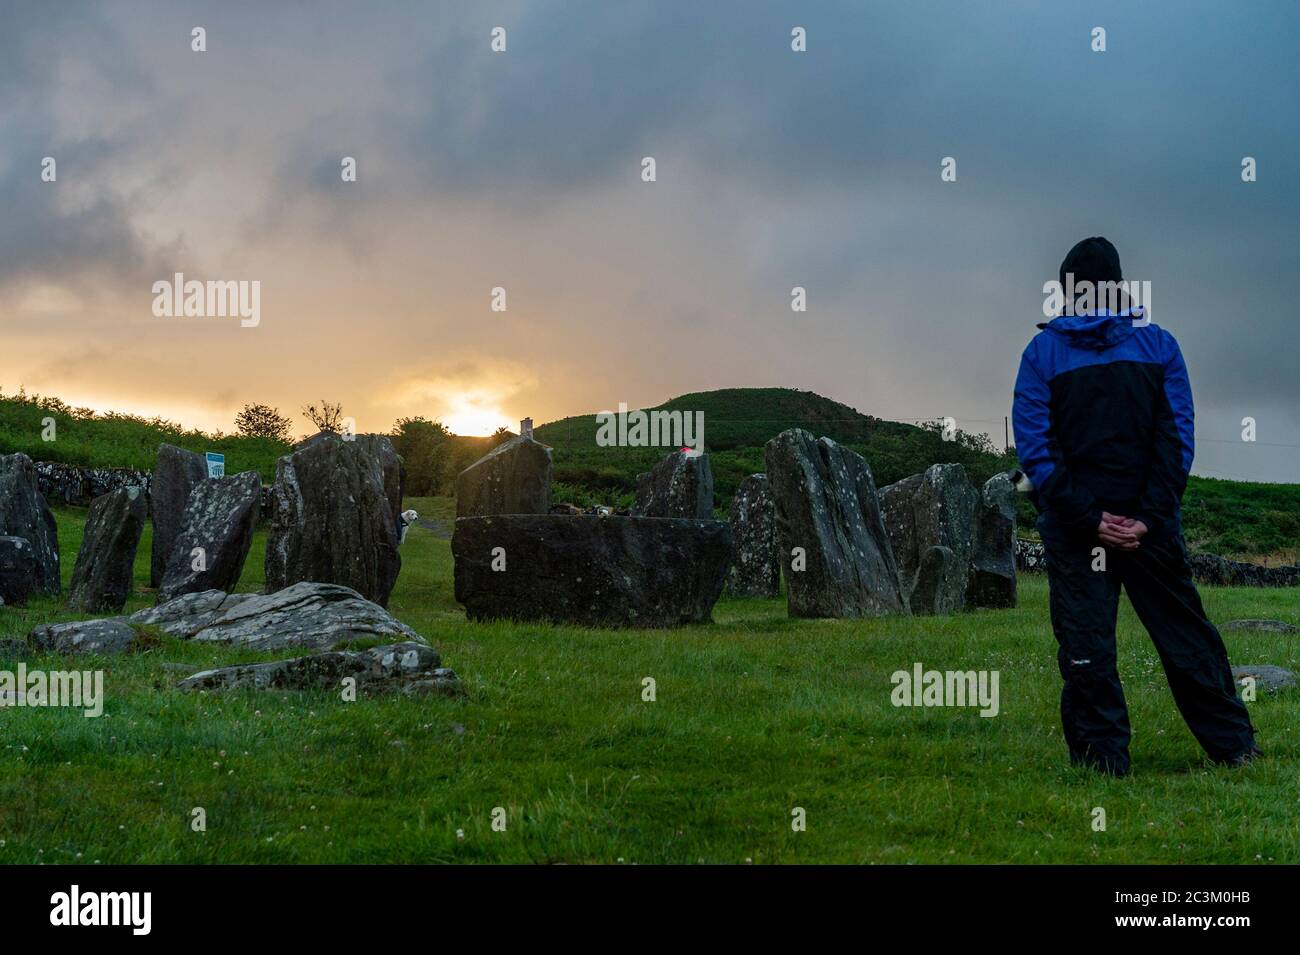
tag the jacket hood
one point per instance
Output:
(1097, 332)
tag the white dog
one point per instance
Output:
(407, 519)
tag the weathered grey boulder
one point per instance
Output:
(1260, 626)
(13, 649)
(215, 533)
(756, 570)
(933, 509)
(17, 570)
(23, 513)
(681, 485)
(306, 614)
(186, 615)
(599, 572)
(512, 478)
(111, 635)
(105, 568)
(827, 506)
(993, 548)
(333, 521)
(410, 668)
(1270, 679)
(174, 475)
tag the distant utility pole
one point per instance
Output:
(1006, 434)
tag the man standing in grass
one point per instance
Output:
(1103, 425)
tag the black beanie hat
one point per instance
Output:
(1092, 260)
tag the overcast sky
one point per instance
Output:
(522, 170)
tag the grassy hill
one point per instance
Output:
(88, 439)
(737, 423)
(746, 417)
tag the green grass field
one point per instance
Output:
(755, 715)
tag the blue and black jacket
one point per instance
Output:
(1103, 421)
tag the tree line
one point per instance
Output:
(433, 456)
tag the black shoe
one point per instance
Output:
(1101, 764)
(1242, 759)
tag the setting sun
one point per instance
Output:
(471, 421)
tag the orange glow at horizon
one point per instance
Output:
(471, 421)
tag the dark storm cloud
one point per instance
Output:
(1053, 142)
(42, 234)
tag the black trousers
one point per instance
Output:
(1085, 604)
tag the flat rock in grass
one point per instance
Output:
(332, 520)
(215, 534)
(598, 572)
(1269, 678)
(13, 649)
(410, 668)
(310, 615)
(1220, 571)
(186, 668)
(104, 637)
(756, 571)
(24, 513)
(186, 615)
(512, 478)
(827, 506)
(681, 485)
(17, 570)
(105, 568)
(175, 473)
(1261, 626)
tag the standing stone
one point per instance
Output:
(390, 465)
(17, 570)
(900, 524)
(826, 505)
(756, 571)
(512, 478)
(681, 485)
(993, 550)
(933, 509)
(218, 522)
(23, 513)
(105, 568)
(381, 448)
(939, 582)
(332, 521)
(174, 475)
